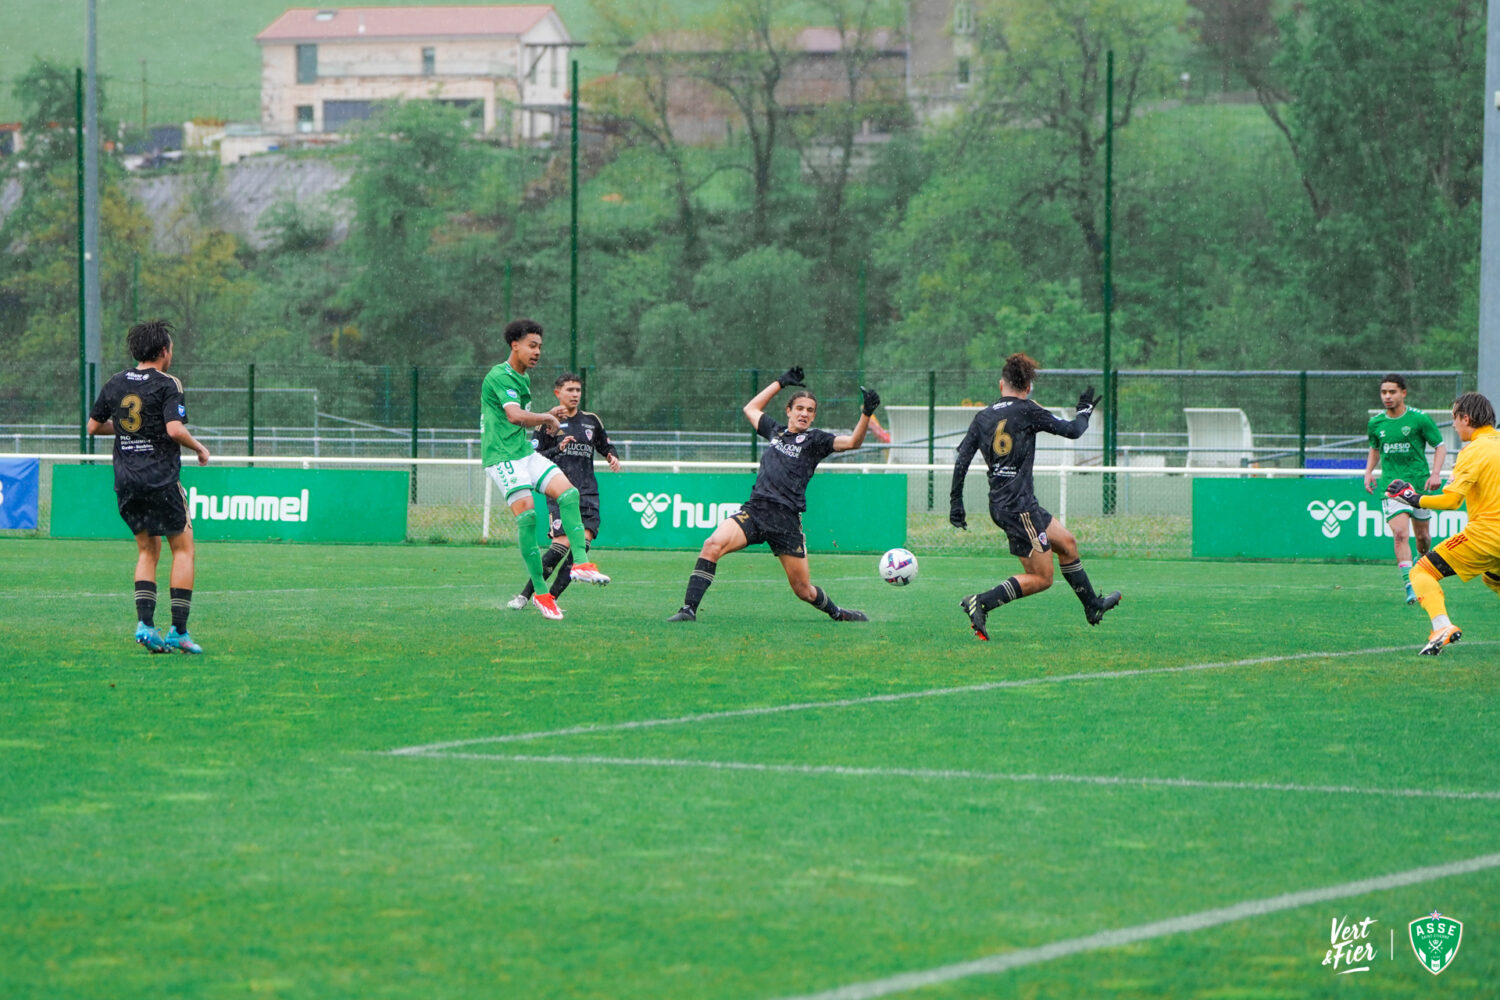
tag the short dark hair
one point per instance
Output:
(1019, 370)
(567, 377)
(149, 340)
(1393, 377)
(798, 395)
(518, 328)
(1476, 407)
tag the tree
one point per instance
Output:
(1046, 71)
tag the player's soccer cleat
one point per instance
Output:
(181, 642)
(1411, 595)
(1097, 608)
(547, 605)
(150, 638)
(518, 603)
(1439, 638)
(850, 615)
(977, 614)
(684, 614)
(588, 573)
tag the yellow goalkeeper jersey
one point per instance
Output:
(1476, 478)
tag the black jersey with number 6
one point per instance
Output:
(1005, 434)
(141, 402)
(790, 461)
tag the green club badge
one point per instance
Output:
(1435, 938)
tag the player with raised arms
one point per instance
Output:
(143, 408)
(524, 477)
(773, 514)
(1398, 443)
(579, 435)
(1475, 551)
(1005, 434)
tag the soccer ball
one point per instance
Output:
(898, 567)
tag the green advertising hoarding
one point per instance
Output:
(1330, 518)
(238, 504)
(667, 510)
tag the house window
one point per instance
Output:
(963, 72)
(429, 61)
(963, 18)
(304, 118)
(307, 64)
(552, 71)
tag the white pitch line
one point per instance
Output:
(1189, 923)
(964, 775)
(741, 713)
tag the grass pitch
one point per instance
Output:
(235, 825)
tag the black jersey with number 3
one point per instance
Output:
(141, 402)
(790, 461)
(1005, 434)
(576, 458)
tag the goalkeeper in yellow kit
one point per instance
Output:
(1476, 549)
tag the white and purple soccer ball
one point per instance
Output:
(898, 567)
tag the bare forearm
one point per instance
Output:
(101, 429)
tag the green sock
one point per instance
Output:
(543, 519)
(1405, 569)
(530, 554)
(572, 520)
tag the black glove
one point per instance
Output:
(956, 515)
(871, 400)
(1403, 492)
(792, 376)
(1087, 400)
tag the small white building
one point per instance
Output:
(323, 68)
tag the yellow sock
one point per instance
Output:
(1429, 592)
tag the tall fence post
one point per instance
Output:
(415, 406)
(583, 387)
(250, 410)
(85, 445)
(1111, 424)
(754, 389)
(1302, 420)
(931, 433)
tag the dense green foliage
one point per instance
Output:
(228, 825)
(1330, 223)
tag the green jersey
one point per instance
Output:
(499, 439)
(1402, 442)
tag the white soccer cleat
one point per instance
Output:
(588, 573)
(518, 603)
(547, 605)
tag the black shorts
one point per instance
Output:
(588, 511)
(162, 511)
(1026, 529)
(779, 527)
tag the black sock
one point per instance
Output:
(145, 602)
(698, 582)
(182, 603)
(1079, 581)
(824, 603)
(1008, 591)
(554, 554)
(564, 575)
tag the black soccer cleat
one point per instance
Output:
(977, 614)
(1096, 608)
(850, 615)
(687, 614)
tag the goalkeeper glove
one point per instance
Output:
(956, 515)
(1086, 402)
(1402, 492)
(792, 376)
(871, 400)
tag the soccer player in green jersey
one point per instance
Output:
(525, 478)
(1398, 443)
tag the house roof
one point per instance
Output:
(329, 24)
(810, 41)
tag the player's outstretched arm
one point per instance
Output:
(754, 409)
(869, 402)
(522, 417)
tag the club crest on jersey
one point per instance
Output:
(1435, 938)
(800, 438)
(588, 432)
